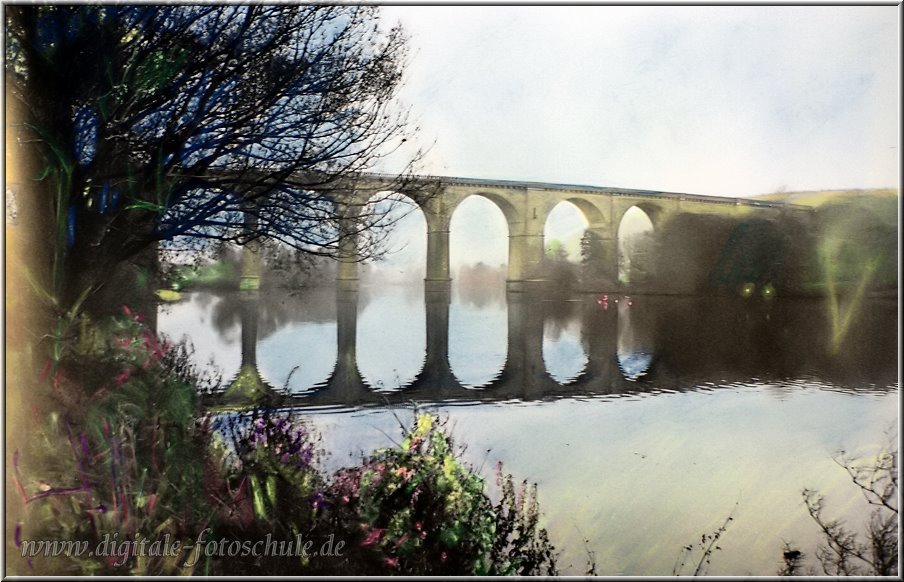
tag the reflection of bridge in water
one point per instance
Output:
(657, 344)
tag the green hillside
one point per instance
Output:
(821, 197)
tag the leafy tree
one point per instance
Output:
(237, 123)
(593, 258)
(636, 257)
(557, 267)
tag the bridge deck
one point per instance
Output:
(609, 191)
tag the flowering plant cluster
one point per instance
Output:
(276, 458)
(421, 510)
(419, 507)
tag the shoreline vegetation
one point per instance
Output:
(132, 456)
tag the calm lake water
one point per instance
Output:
(645, 420)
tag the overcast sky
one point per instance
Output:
(725, 100)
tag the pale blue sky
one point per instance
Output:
(730, 100)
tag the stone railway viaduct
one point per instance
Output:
(526, 206)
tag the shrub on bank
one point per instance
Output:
(420, 510)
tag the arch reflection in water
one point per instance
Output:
(478, 338)
(297, 347)
(391, 336)
(287, 338)
(563, 352)
(654, 343)
(636, 336)
(299, 357)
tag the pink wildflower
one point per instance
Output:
(124, 377)
(373, 537)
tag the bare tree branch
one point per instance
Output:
(843, 552)
(159, 122)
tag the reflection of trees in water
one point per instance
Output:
(730, 339)
(275, 308)
(559, 316)
(226, 313)
(480, 296)
(410, 292)
(204, 299)
(726, 339)
(480, 285)
(382, 275)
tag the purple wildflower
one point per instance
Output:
(318, 501)
(305, 456)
